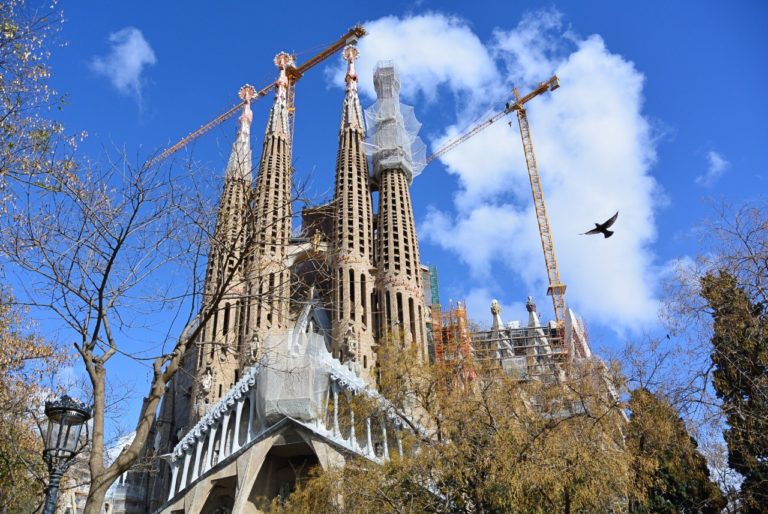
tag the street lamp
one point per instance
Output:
(66, 418)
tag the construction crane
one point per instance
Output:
(294, 73)
(556, 288)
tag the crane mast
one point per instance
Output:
(556, 288)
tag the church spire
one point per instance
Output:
(278, 116)
(352, 113)
(352, 323)
(268, 276)
(217, 365)
(398, 280)
(239, 165)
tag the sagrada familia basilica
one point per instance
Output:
(297, 320)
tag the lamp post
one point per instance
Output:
(66, 418)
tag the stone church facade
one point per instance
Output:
(297, 319)
(264, 393)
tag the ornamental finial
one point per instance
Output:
(283, 60)
(246, 94)
(350, 53)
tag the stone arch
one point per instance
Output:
(378, 427)
(345, 413)
(392, 435)
(203, 455)
(221, 497)
(286, 465)
(179, 475)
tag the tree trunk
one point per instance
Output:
(99, 480)
(96, 493)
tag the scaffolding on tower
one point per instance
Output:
(436, 327)
(455, 349)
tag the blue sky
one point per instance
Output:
(661, 110)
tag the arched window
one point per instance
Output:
(225, 328)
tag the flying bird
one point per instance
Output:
(602, 228)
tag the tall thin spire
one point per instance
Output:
(398, 278)
(239, 165)
(352, 257)
(216, 365)
(278, 116)
(268, 274)
(352, 114)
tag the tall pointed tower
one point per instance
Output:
(221, 340)
(352, 258)
(268, 275)
(398, 279)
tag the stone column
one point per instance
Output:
(238, 415)
(209, 455)
(224, 434)
(198, 451)
(174, 476)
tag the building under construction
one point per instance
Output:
(297, 319)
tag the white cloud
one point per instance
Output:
(528, 50)
(430, 51)
(717, 166)
(130, 53)
(594, 147)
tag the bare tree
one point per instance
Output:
(31, 144)
(103, 249)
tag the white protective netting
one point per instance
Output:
(294, 381)
(393, 141)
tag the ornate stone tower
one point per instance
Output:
(352, 258)
(398, 279)
(221, 343)
(268, 276)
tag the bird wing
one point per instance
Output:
(593, 231)
(611, 221)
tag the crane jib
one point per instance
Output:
(350, 37)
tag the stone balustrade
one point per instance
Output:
(239, 419)
(229, 425)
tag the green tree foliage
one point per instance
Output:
(740, 378)
(491, 444)
(671, 473)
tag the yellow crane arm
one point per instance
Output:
(294, 74)
(470, 133)
(549, 85)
